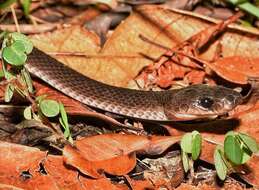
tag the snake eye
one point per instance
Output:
(206, 102)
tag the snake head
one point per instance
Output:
(201, 101)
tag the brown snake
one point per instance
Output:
(193, 102)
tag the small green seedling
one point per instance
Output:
(237, 150)
(15, 49)
(190, 145)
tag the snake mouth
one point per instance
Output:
(188, 117)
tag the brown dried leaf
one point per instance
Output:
(119, 61)
(168, 28)
(105, 68)
(191, 47)
(119, 165)
(42, 171)
(236, 69)
(113, 153)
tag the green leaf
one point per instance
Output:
(246, 155)
(49, 108)
(64, 122)
(185, 161)
(246, 6)
(232, 149)
(26, 6)
(27, 113)
(9, 91)
(250, 8)
(186, 143)
(245, 23)
(230, 133)
(249, 142)
(236, 2)
(220, 165)
(3, 34)
(27, 79)
(8, 75)
(6, 3)
(2, 75)
(14, 54)
(65, 127)
(24, 39)
(63, 114)
(196, 144)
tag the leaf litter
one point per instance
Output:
(122, 57)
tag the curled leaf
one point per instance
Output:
(186, 143)
(232, 149)
(27, 113)
(9, 91)
(14, 54)
(24, 40)
(196, 145)
(49, 108)
(185, 161)
(220, 165)
(249, 142)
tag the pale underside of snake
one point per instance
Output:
(193, 102)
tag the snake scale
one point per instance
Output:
(193, 102)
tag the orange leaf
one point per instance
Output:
(42, 171)
(113, 153)
(236, 68)
(118, 165)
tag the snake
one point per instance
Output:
(189, 103)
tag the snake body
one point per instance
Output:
(183, 104)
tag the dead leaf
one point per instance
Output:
(29, 28)
(105, 68)
(113, 153)
(119, 165)
(166, 171)
(42, 171)
(120, 56)
(236, 69)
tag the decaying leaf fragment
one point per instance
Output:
(85, 55)
(236, 69)
(113, 153)
(185, 54)
(120, 60)
(41, 171)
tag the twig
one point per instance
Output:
(36, 19)
(15, 19)
(212, 142)
(145, 39)
(89, 56)
(29, 28)
(33, 21)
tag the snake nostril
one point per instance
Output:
(230, 98)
